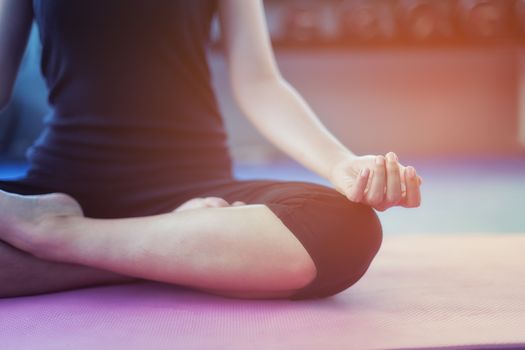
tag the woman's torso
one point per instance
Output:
(133, 105)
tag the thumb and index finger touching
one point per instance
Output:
(410, 180)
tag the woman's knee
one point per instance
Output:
(341, 237)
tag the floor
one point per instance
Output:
(460, 195)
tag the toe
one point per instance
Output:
(191, 204)
(216, 202)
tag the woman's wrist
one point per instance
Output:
(336, 159)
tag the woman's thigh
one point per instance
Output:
(341, 237)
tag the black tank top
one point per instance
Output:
(131, 94)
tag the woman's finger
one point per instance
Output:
(376, 192)
(356, 192)
(413, 195)
(238, 203)
(393, 178)
(403, 181)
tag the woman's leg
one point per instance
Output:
(238, 251)
(23, 274)
(340, 237)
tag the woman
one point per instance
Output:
(132, 178)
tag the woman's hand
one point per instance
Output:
(378, 181)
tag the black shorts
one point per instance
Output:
(341, 237)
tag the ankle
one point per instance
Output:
(50, 239)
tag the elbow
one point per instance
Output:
(248, 89)
(243, 79)
(247, 79)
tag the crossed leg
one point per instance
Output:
(22, 274)
(238, 251)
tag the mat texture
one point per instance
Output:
(422, 291)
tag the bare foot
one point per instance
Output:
(25, 221)
(21, 216)
(207, 202)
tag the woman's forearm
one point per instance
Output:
(283, 116)
(15, 23)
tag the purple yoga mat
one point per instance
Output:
(422, 291)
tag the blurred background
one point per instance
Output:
(441, 82)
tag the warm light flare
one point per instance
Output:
(427, 20)
(363, 20)
(485, 18)
(303, 23)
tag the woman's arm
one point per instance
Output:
(15, 24)
(283, 116)
(266, 98)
